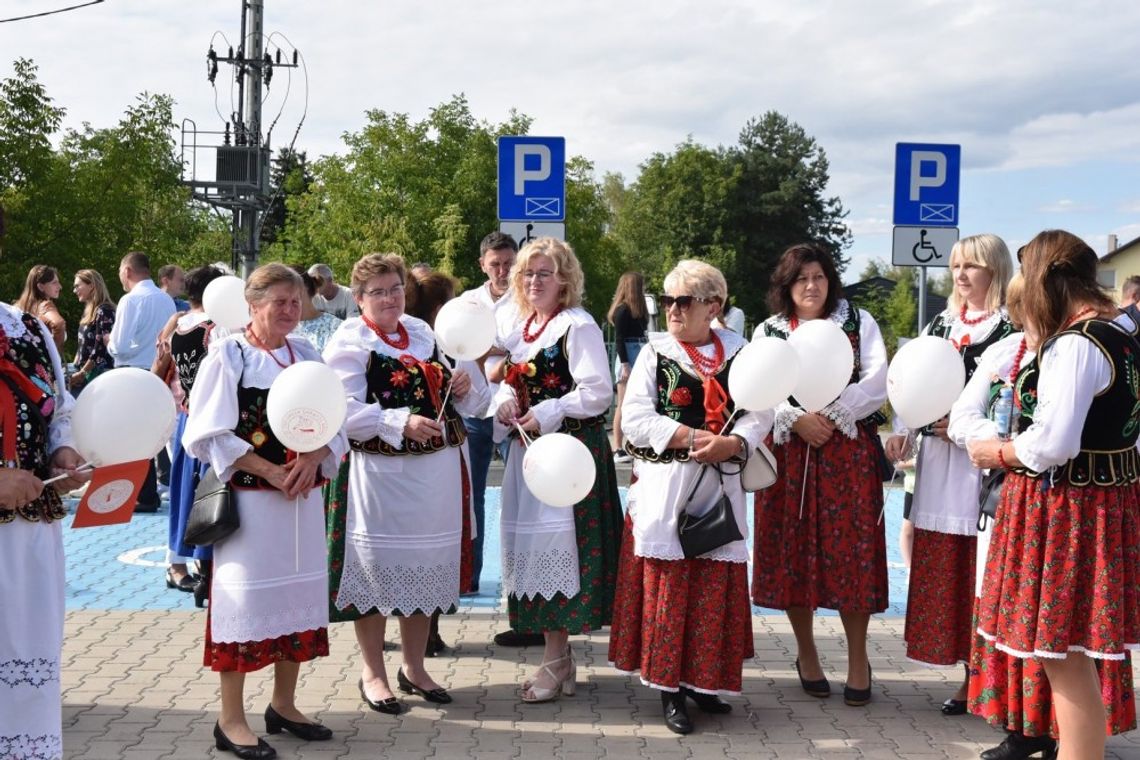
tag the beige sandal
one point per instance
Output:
(532, 693)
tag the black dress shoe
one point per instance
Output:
(310, 732)
(676, 716)
(435, 645)
(259, 751)
(185, 583)
(512, 638)
(820, 688)
(954, 707)
(858, 697)
(1019, 746)
(389, 706)
(437, 695)
(707, 703)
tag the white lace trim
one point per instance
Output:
(1041, 653)
(399, 587)
(33, 672)
(28, 747)
(668, 346)
(839, 316)
(735, 552)
(942, 523)
(533, 574)
(786, 416)
(244, 625)
(843, 418)
(521, 351)
(11, 322)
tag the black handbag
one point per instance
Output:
(989, 496)
(712, 530)
(214, 514)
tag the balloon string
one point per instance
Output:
(731, 417)
(522, 433)
(443, 404)
(803, 489)
(908, 447)
(297, 534)
(81, 468)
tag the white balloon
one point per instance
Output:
(224, 302)
(123, 415)
(465, 328)
(924, 380)
(558, 469)
(763, 374)
(826, 361)
(307, 406)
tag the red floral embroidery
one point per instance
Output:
(400, 378)
(550, 380)
(681, 397)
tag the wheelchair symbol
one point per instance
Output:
(929, 251)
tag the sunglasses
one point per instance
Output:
(683, 302)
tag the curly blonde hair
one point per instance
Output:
(373, 265)
(567, 272)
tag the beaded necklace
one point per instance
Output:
(976, 320)
(259, 343)
(706, 366)
(1015, 371)
(402, 340)
(526, 334)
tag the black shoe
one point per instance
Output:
(954, 707)
(435, 645)
(186, 583)
(1019, 746)
(676, 716)
(259, 751)
(858, 697)
(437, 695)
(310, 732)
(707, 703)
(512, 638)
(147, 508)
(389, 706)
(820, 688)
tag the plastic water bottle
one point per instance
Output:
(1003, 412)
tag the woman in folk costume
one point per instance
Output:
(268, 588)
(940, 602)
(685, 624)
(35, 434)
(395, 525)
(1011, 693)
(559, 565)
(818, 539)
(1063, 567)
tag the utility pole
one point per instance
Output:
(240, 170)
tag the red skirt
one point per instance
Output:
(248, 656)
(836, 555)
(1063, 571)
(940, 601)
(681, 622)
(1012, 693)
(466, 543)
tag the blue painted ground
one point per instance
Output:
(122, 567)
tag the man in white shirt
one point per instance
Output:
(332, 298)
(141, 314)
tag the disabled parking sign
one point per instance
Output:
(926, 184)
(532, 179)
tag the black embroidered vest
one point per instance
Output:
(547, 376)
(395, 383)
(187, 351)
(972, 352)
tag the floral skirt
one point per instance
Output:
(835, 555)
(248, 656)
(598, 526)
(940, 602)
(1063, 572)
(681, 622)
(1013, 694)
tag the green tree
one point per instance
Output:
(289, 176)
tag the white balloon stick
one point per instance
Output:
(443, 404)
(522, 433)
(81, 468)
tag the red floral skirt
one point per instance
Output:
(248, 656)
(940, 602)
(681, 622)
(1012, 693)
(1063, 570)
(835, 556)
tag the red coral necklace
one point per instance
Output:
(705, 366)
(976, 320)
(526, 333)
(402, 340)
(259, 343)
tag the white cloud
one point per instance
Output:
(1064, 206)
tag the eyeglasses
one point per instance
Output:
(394, 292)
(541, 275)
(683, 302)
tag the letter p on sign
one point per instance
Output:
(918, 179)
(524, 174)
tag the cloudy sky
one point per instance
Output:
(1043, 96)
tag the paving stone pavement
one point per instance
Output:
(134, 688)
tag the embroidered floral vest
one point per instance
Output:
(187, 350)
(972, 352)
(30, 353)
(544, 377)
(395, 383)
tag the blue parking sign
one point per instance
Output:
(926, 184)
(532, 179)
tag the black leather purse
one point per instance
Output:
(713, 529)
(214, 514)
(989, 496)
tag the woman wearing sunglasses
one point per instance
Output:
(818, 539)
(559, 565)
(685, 624)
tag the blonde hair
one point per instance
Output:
(373, 265)
(99, 294)
(567, 272)
(1015, 299)
(698, 279)
(268, 275)
(987, 251)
